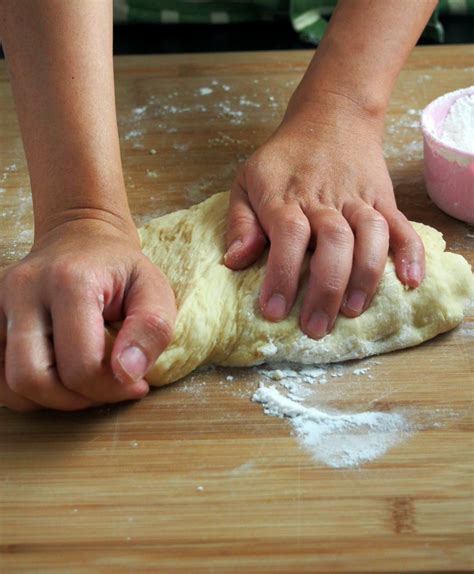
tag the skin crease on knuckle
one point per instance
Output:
(157, 328)
(372, 272)
(332, 284)
(336, 232)
(20, 278)
(294, 232)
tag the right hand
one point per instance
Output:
(53, 305)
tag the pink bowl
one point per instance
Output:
(449, 172)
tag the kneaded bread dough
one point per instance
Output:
(219, 321)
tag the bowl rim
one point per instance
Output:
(456, 94)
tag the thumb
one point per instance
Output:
(150, 313)
(245, 239)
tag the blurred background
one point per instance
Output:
(164, 26)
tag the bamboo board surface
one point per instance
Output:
(195, 478)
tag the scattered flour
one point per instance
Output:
(181, 147)
(337, 439)
(406, 143)
(132, 134)
(205, 91)
(458, 127)
(283, 371)
(361, 371)
(268, 349)
(137, 112)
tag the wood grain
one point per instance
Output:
(116, 489)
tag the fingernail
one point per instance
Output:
(134, 362)
(356, 301)
(233, 248)
(414, 272)
(276, 307)
(318, 325)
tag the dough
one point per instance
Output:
(219, 321)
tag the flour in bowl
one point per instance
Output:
(458, 127)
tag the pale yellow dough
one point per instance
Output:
(219, 321)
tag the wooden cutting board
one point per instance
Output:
(195, 478)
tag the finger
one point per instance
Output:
(289, 232)
(80, 348)
(245, 239)
(370, 255)
(29, 361)
(150, 313)
(407, 247)
(330, 269)
(13, 401)
(7, 397)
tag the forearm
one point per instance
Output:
(60, 62)
(363, 51)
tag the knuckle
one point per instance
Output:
(19, 279)
(240, 219)
(372, 271)
(337, 231)
(377, 223)
(69, 275)
(296, 227)
(372, 219)
(78, 376)
(64, 275)
(158, 327)
(255, 164)
(330, 287)
(282, 279)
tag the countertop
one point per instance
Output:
(195, 477)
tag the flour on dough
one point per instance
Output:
(219, 321)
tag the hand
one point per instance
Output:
(321, 178)
(53, 305)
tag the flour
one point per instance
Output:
(406, 143)
(458, 127)
(337, 439)
(205, 91)
(283, 372)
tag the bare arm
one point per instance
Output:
(60, 61)
(85, 265)
(322, 174)
(363, 51)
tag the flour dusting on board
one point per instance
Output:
(337, 439)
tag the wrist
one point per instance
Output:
(86, 225)
(325, 111)
(93, 207)
(85, 194)
(338, 78)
